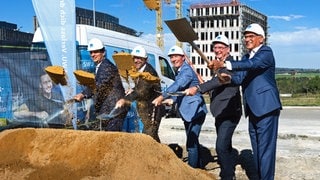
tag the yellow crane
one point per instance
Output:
(156, 5)
(178, 16)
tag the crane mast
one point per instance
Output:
(178, 16)
(156, 5)
(159, 28)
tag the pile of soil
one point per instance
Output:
(73, 154)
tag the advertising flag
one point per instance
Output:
(57, 23)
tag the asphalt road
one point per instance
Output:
(296, 124)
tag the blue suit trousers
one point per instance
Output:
(227, 160)
(263, 133)
(193, 146)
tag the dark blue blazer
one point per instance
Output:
(225, 99)
(260, 92)
(109, 88)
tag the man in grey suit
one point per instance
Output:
(260, 98)
(191, 108)
(225, 106)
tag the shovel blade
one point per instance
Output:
(182, 30)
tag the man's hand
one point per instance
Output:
(224, 78)
(215, 64)
(79, 97)
(128, 91)
(158, 101)
(168, 102)
(191, 91)
(121, 103)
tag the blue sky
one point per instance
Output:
(294, 25)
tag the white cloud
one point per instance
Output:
(292, 49)
(297, 49)
(302, 36)
(286, 18)
(169, 40)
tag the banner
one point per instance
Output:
(58, 27)
(5, 96)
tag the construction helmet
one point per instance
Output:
(221, 39)
(255, 28)
(175, 50)
(139, 51)
(95, 44)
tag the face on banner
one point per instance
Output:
(58, 28)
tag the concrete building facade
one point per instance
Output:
(227, 17)
(12, 38)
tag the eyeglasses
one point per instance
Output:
(250, 36)
(137, 57)
(219, 47)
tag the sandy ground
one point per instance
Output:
(68, 154)
(38, 154)
(298, 150)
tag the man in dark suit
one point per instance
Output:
(225, 106)
(192, 109)
(260, 98)
(108, 89)
(146, 89)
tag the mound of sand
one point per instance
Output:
(68, 154)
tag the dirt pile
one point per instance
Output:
(69, 154)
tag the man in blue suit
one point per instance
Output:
(191, 108)
(260, 98)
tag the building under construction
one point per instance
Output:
(227, 17)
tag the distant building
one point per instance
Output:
(228, 17)
(11, 37)
(103, 20)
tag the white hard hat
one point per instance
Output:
(95, 44)
(221, 39)
(175, 50)
(255, 28)
(139, 51)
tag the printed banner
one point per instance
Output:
(57, 23)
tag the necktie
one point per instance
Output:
(97, 67)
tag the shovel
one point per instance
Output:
(124, 64)
(57, 74)
(114, 113)
(184, 33)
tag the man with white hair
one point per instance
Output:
(260, 98)
(225, 106)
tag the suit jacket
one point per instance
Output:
(189, 107)
(260, 92)
(225, 100)
(109, 88)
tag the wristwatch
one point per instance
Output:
(198, 88)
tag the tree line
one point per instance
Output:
(297, 85)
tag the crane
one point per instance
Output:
(178, 16)
(156, 5)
